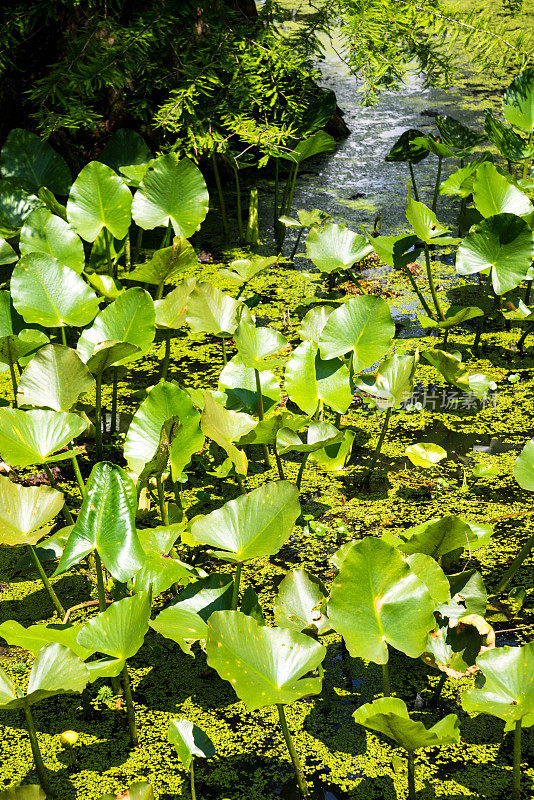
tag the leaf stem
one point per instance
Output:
(436, 694)
(63, 336)
(239, 213)
(276, 193)
(48, 586)
(138, 245)
(166, 358)
(430, 277)
(418, 292)
(436, 188)
(77, 472)
(192, 777)
(98, 417)
(65, 513)
(111, 270)
(42, 772)
(297, 242)
(163, 508)
(259, 397)
(222, 204)
(411, 775)
(279, 463)
(412, 175)
(516, 787)
(516, 563)
(237, 583)
(302, 467)
(130, 710)
(378, 449)
(299, 774)
(12, 371)
(102, 605)
(113, 423)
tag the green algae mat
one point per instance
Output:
(266, 532)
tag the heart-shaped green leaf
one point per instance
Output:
(377, 600)
(15, 206)
(171, 311)
(313, 323)
(264, 665)
(159, 571)
(124, 148)
(50, 294)
(364, 325)
(301, 603)
(172, 192)
(334, 247)
(244, 269)
(518, 101)
(239, 383)
(165, 402)
(34, 637)
(392, 383)
(211, 311)
(26, 512)
(494, 194)
(99, 199)
(166, 264)
(510, 143)
(226, 427)
(106, 523)
(425, 454)
(437, 537)
(333, 457)
(189, 740)
(44, 232)
(56, 670)
(424, 221)
(508, 691)
(454, 645)
(251, 526)
(389, 715)
(524, 467)
(185, 620)
(404, 148)
(32, 163)
(119, 631)
(55, 378)
(319, 435)
(457, 135)
(468, 595)
(309, 379)
(33, 437)
(28, 791)
(130, 318)
(502, 243)
(254, 345)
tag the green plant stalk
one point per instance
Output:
(414, 185)
(192, 779)
(65, 512)
(526, 164)
(259, 397)
(516, 785)
(98, 417)
(281, 230)
(292, 189)
(299, 774)
(386, 685)
(166, 240)
(138, 245)
(222, 204)
(516, 563)
(276, 196)
(111, 270)
(130, 710)
(436, 694)
(63, 336)
(102, 604)
(521, 341)
(378, 449)
(163, 508)
(252, 235)
(113, 423)
(14, 383)
(46, 583)
(237, 583)
(411, 775)
(128, 253)
(166, 358)
(239, 213)
(418, 292)
(279, 463)
(41, 770)
(77, 472)
(297, 242)
(430, 277)
(527, 292)
(436, 188)
(301, 470)
(355, 280)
